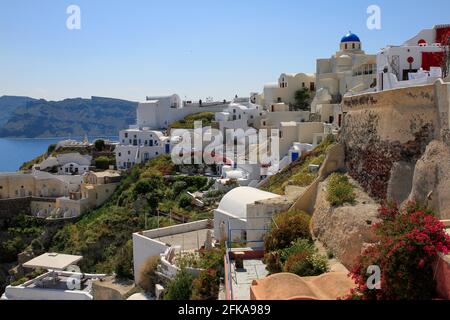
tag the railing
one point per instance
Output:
(228, 280)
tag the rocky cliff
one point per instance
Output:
(70, 117)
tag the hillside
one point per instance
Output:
(8, 104)
(70, 117)
(103, 236)
(188, 122)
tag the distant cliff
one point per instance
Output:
(29, 118)
(8, 104)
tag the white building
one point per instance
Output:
(349, 70)
(62, 281)
(160, 112)
(245, 214)
(144, 141)
(165, 242)
(239, 115)
(415, 62)
(283, 91)
(138, 145)
(66, 163)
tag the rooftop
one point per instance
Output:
(235, 201)
(53, 261)
(187, 241)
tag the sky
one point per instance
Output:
(130, 49)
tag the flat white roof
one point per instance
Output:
(53, 261)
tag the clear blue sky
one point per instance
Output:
(196, 48)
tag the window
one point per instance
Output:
(303, 85)
(312, 86)
(120, 154)
(126, 134)
(346, 47)
(129, 152)
(353, 46)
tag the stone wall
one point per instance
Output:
(383, 128)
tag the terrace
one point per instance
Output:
(57, 283)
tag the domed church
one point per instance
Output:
(349, 71)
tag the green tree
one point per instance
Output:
(123, 264)
(99, 145)
(302, 98)
(180, 288)
(103, 162)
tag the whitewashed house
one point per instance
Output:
(415, 62)
(245, 214)
(138, 145)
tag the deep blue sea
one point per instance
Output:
(14, 152)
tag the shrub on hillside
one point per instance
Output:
(180, 288)
(305, 264)
(287, 228)
(99, 145)
(410, 240)
(103, 162)
(206, 286)
(149, 278)
(340, 190)
(185, 201)
(123, 264)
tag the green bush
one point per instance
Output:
(123, 264)
(185, 201)
(213, 259)
(179, 186)
(51, 148)
(9, 249)
(149, 278)
(305, 265)
(287, 228)
(180, 288)
(206, 286)
(303, 260)
(99, 145)
(340, 190)
(103, 162)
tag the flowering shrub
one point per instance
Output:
(301, 258)
(409, 242)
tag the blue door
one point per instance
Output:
(167, 148)
(294, 156)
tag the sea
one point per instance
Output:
(14, 152)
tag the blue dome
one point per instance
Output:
(350, 37)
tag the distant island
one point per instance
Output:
(24, 117)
